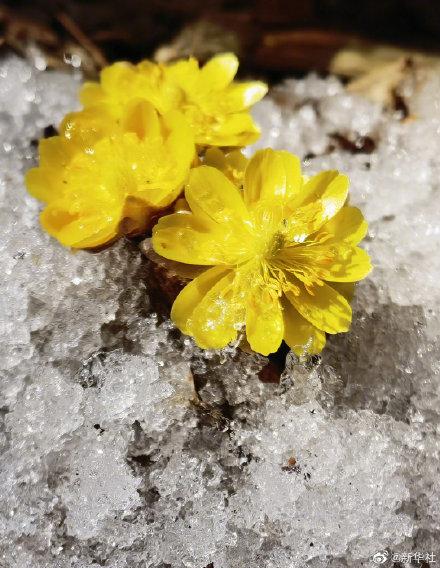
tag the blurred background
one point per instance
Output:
(272, 37)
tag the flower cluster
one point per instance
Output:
(273, 254)
(127, 154)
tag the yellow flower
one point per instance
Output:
(98, 190)
(215, 106)
(280, 254)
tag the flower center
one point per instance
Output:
(264, 270)
(277, 242)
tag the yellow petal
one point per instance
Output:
(42, 184)
(237, 162)
(162, 167)
(213, 197)
(233, 164)
(151, 84)
(184, 73)
(118, 84)
(45, 181)
(84, 128)
(91, 94)
(334, 197)
(237, 129)
(348, 225)
(215, 158)
(329, 188)
(78, 231)
(183, 238)
(302, 221)
(206, 310)
(264, 321)
(208, 137)
(147, 67)
(191, 296)
(272, 176)
(326, 309)
(350, 265)
(56, 152)
(299, 334)
(241, 96)
(141, 117)
(118, 77)
(219, 71)
(89, 233)
(215, 321)
(315, 187)
(180, 140)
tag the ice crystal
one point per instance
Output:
(123, 444)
